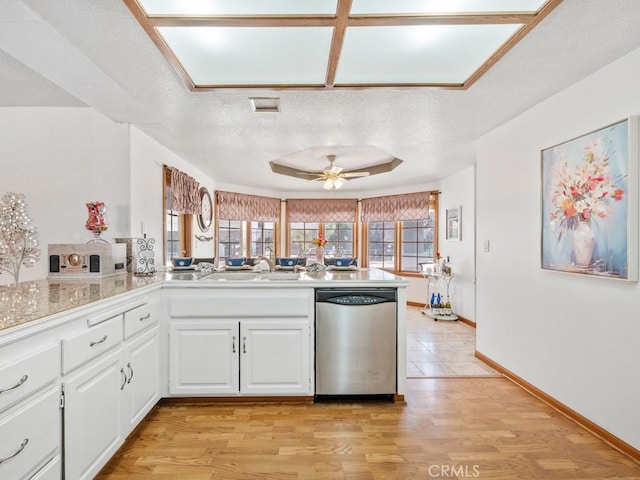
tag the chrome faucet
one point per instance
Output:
(271, 263)
(272, 252)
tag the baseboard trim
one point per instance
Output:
(471, 323)
(415, 304)
(571, 414)
(235, 400)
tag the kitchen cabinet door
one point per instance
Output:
(275, 357)
(142, 367)
(203, 357)
(92, 415)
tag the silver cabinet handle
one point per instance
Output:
(124, 376)
(20, 382)
(233, 344)
(130, 372)
(244, 344)
(103, 339)
(145, 317)
(20, 448)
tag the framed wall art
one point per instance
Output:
(590, 203)
(452, 221)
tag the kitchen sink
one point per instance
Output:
(231, 276)
(279, 276)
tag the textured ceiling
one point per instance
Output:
(94, 53)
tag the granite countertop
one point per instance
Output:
(29, 301)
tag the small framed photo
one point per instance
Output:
(452, 220)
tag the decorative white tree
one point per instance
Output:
(18, 237)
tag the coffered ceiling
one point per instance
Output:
(336, 43)
(97, 54)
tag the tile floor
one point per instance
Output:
(442, 348)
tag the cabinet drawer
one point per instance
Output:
(90, 343)
(140, 318)
(51, 471)
(30, 436)
(28, 374)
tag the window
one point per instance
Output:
(245, 239)
(177, 226)
(262, 239)
(382, 245)
(417, 243)
(230, 238)
(402, 246)
(301, 237)
(339, 239)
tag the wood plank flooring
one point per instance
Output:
(486, 428)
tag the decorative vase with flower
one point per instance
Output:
(96, 223)
(583, 241)
(437, 266)
(320, 242)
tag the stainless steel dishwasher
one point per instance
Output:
(356, 341)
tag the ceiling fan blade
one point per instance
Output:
(310, 174)
(354, 174)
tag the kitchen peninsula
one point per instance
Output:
(91, 358)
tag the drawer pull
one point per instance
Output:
(102, 340)
(244, 344)
(233, 344)
(130, 372)
(145, 316)
(22, 445)
(20, 382)
(124, 381)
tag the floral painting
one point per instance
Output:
(588, 209)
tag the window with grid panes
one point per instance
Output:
(262, 239)
(417, 245)
(172, 236)
(301, 237)
(382, 245)
(177, 227)
(230, 240)
(339, 239)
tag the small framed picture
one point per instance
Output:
(452, 226)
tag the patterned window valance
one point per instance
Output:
(238, 206)
(322, 210)
(411, 206)
(184, 192)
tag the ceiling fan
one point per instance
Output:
(333, 175)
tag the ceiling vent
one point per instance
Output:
(265, 104)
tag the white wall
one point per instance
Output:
(147, 159)
(62, 158)
(574, 337)
(458, 190)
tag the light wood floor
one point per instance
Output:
(486, 428)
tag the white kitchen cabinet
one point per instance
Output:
(30, 418)
(142, 367)
(30, 435)
(274, 357)
(247, 357)
(203, 358)
(113, 381)
(241, 341)
(92, 412)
